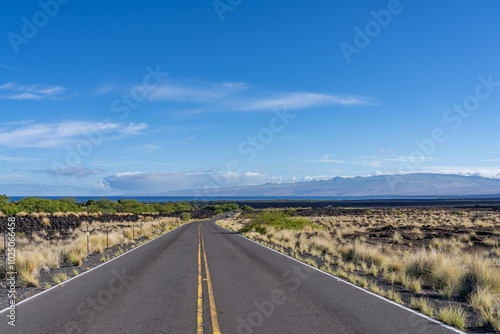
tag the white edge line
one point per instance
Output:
(88, 271)
(355, 286)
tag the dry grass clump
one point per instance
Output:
(35, 252)
(321, 243)
(373, 270)
(373, 287)
(482, 299)
(492, 317)
(128, 234)
(452, 315)
(75, 257)
(97, 242)
(51, 255)
(437, 269)
(481, 284)
(422, 304)
(490, 242)
(480, 274)
(27, 264)
(60, 277)
(75, 251)
(28, 278)
(446, 245)
(449, 259)
(396, 237)
(364, 253)
(413, 284)
(28, 260)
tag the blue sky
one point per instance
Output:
(129, 97)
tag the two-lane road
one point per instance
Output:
(201, 278)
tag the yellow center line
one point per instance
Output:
(200, 288)
(213, 309)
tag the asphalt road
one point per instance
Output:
(205, 279)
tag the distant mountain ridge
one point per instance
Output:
(380, 185)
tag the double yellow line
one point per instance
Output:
(213, 309)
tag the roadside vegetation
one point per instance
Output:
(103, 205)
(52, 234)
(36, 252)
(443, 263)
(221, 208)
(277, 220)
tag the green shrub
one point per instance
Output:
(103, 205)
(131, 206)
(220, 208)
(7, 207)
(247, 208)
(277, 219)
(280, 220)
(185, 216)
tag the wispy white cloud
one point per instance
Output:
(17, 159)
(70, 171)
(105, 88)
(325, 159)
(388, 156)
(386, 152)
(148, 148)
(237, 96)
(299, 100)
(20, 122)
(412, 158)
(15, 91)
(196, 91)
(59, 134)
(7, 67)
(134, 129)
(491, 160)
(102, 163)
(130, 162)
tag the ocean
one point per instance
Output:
(222, 198)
